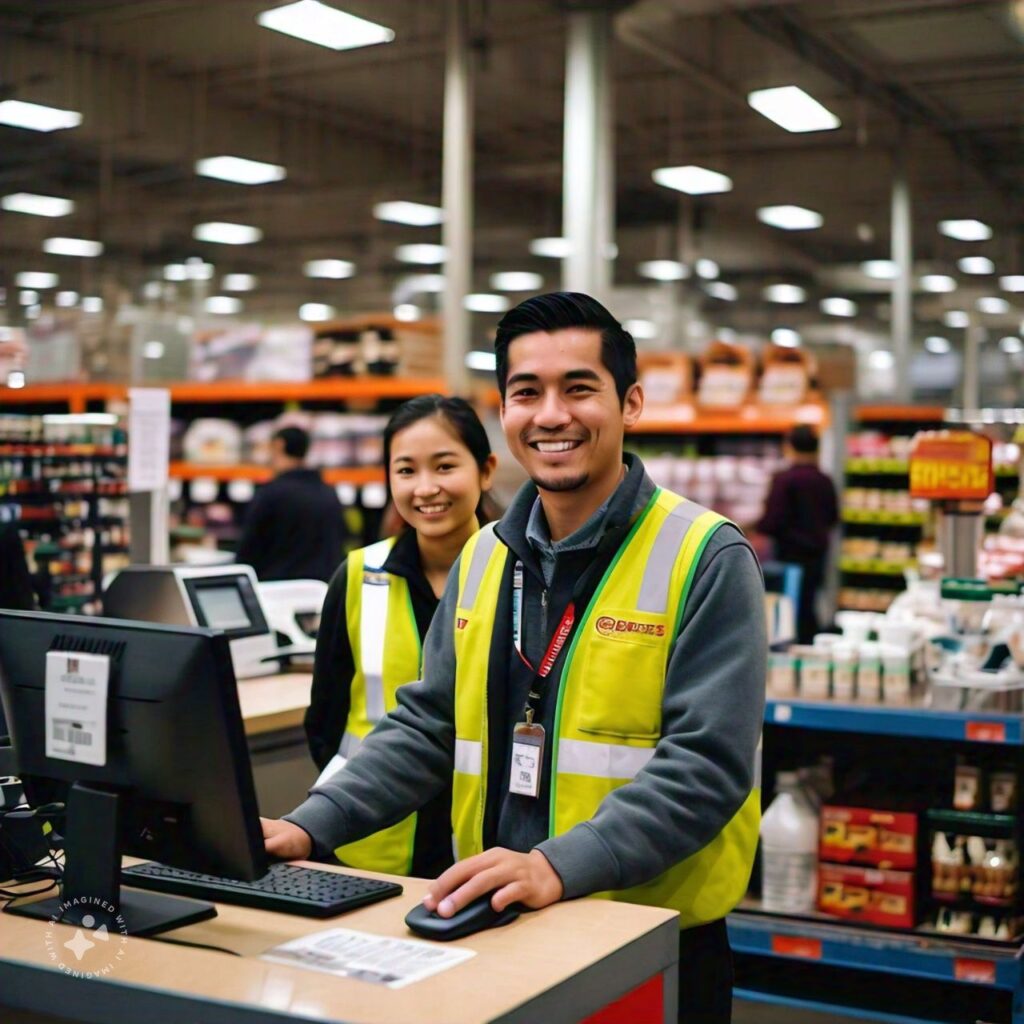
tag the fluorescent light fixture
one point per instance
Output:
(66, 300)
(790, 218)
(722, 290)
(432, 284)
(993, 304)
(239, 282)
(881, 270)
(556, 248)
(955, 318)
(785, 293)
(1011, 345)
(706, 269)
(642, 330)
(72, 247)
(152, 290)
(226, 234)
(315, 22)
(418, 215)
(153, 350)
(223, 304)
(837, 306)
(36, 279)
(197, 270)
(483, 302)
(37, 117)
(420, 253)
(976, 265)
(28, 298)
(407, 312)
(966, 230)
(239, 170)
(16, 379)
(175, 272)
(477, 360)
(786, 337)
(336, 270)
(881, 359)
(938, 283)
(937, 345)
(36, 205)
(663, 270)
(92, 304)
(793, 109)
(314, 311)
(1012, 283)
(517, 281)
(693, 180)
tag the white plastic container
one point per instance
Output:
(844, 672)
(895, 674)
(869, 674)
(789, 849)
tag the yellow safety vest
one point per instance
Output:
(387, 653)
(606, 729)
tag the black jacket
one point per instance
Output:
(330, 698)
(293, 529)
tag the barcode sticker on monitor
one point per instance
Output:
(76, 706)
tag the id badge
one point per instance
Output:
(527, 759)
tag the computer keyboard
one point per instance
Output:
(285, 888)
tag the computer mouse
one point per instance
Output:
(473, 917)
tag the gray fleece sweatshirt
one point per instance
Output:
(712, 709)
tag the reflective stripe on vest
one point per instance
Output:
(386, 654)
(605, 734)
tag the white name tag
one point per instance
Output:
(527, 759)
(76, 706)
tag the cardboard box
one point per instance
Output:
(874, 838)
(867, 895)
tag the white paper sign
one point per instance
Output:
(149, 437)
(377, 959)
(76, 706)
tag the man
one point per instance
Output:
(612, 755)
(293, 529)
(799, 515)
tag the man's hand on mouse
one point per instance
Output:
(526, 878)
(285, 840)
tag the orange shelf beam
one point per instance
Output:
(356, 475)
(748, 419)
(900, 414)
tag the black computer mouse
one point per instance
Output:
(473, 917)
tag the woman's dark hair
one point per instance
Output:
(462, 418)
(559, 311)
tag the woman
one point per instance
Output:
(439, 469)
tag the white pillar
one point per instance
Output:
(588, 186)
(903, 283)
(457, 190)
(974, 336)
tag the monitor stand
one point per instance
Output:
(92, 872)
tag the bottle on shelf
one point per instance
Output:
(789, 849)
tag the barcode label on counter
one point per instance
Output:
(71, 734)
(77, 701)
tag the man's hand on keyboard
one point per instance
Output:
(285, 840)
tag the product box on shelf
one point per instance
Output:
(874, 838)
(868, 895)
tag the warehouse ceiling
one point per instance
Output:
(936, 84)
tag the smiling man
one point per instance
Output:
(593, 680)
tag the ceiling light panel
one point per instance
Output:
(555, 248)
(314, 22)
(225, 233)
(239, 170)
(414, 214)
(837, 306)
(880, 270)
(239, 282)
(966, 230)
(722, 290)
(73, 247)
(420, 253)
(37, 117)
(336, 270)
(976, 265)
(36, 279)
(516, 281)
(36, 205)
(789, 294)
(693, 180)
(938, 283)
(483, 302)
(790, 218)
(315, 311)
(793, 109)
(663, 270)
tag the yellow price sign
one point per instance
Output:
(951, 465)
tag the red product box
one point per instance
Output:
(860, 835)
(868, 895)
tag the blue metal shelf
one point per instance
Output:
(923, 723)
(840, 945)
(753, 995)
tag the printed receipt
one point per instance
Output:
(377, 959)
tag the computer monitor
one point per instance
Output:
(173, 783)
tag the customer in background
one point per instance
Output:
(799, 515)
(380, 604)
(293, 529)
(593, 681)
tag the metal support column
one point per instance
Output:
(974, 336)
(457, 189)
(588, 188)
(902, 285)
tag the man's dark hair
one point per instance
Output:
(558, 311)
(295, 441)
(803, 439)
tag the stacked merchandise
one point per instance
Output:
(63, 480)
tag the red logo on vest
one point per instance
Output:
(461, 623)
(607, 625)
